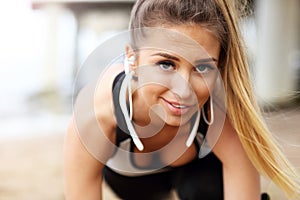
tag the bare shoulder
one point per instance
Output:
(103, 100)
(89, 141)
(241, 179)
(94, 103)
(229, 148)
(93, 123)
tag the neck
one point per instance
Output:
(155, 136)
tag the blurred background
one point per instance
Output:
(43, 43)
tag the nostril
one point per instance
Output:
(265, 196)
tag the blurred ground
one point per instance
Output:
(31, 168)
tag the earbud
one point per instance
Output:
(127, 62)
(131, 60)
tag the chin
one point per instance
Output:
(177, 121)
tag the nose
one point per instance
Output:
(181, 84)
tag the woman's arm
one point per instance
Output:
(241, 179)
(90, 139)
(82, 172)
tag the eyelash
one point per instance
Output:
(208, 67)
(166, 62)
(173, 65)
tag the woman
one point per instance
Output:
(158, 119)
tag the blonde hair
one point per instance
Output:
(261, 148)
(220, 17)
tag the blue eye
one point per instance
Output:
(166, 65)
(204, 68)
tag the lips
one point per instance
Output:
(177, 108)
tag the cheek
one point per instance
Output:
(202, 89)
(148, 93)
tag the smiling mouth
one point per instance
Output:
(177, 108)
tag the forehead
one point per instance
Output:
(189, 42)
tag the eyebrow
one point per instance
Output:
(168, 56)
(207, 59)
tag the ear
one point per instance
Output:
(130, 57)
(129, 51)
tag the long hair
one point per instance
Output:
(220, 17)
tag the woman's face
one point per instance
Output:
(176, 76)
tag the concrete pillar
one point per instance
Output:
(59, 51)
(53, 13)
(277, 31)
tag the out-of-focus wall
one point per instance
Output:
(277, 66)
(95, 21)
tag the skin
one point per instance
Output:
(82, 169)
